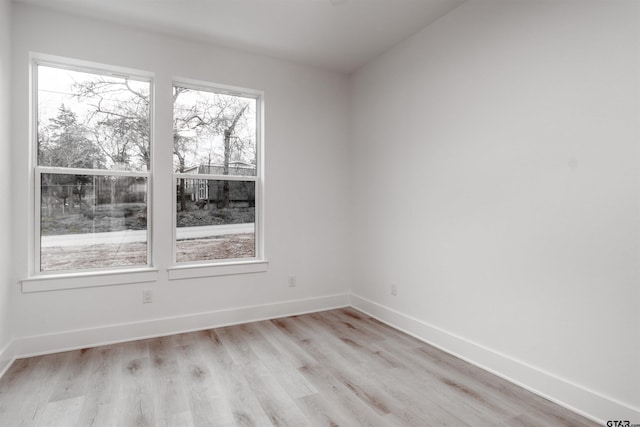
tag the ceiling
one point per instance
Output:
(341, 35)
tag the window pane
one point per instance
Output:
(214, 133)
(215, 219)
(92, 121)
(89, 221)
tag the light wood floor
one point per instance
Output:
(336, 368)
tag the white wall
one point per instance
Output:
(493, 176)
(496, 182)
(5, 174)
(306, 166)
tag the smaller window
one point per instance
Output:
(92, 169)
(217, 176)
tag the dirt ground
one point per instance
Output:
(98, 256)
(226, 247)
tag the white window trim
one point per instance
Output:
(226, 268)
(52, 280)
(85, 279)
(37, 281)
(196, 269)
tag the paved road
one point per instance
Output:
(140, 236)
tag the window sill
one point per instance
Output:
(208, 270)
(53, 282)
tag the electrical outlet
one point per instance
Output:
(292, 281)
(394, 289)
(147, 296)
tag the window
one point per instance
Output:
(92, 178)
(92, 168)
(217, 174)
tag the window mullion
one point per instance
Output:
(215, 177)
(100, 172)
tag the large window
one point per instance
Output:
(92, 178)
(92, 169)
(216, 174)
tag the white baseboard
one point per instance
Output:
(7, 356)
(83, 338)
(588, 403)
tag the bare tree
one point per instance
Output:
(229, 133)
(206, 116)
(119, 116)
(187, 124)
(118, 124)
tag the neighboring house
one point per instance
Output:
(240, 192)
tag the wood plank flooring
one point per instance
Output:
(334, 368)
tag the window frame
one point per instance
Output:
(64, 279)
(206, 268)
(41, 281)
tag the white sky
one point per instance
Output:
(55, 87)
